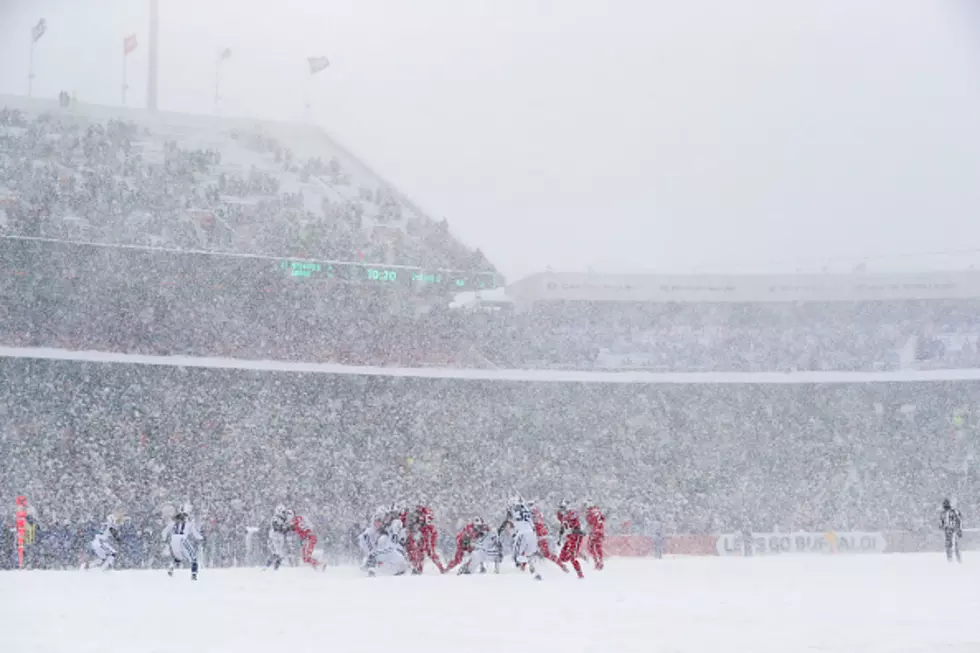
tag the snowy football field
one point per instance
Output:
(861, 604)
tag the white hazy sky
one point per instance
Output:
(622, 135)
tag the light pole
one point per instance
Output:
(151, 73)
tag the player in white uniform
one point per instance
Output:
(388, 556)
(486, 550)
(278, 527)
(102, 543)
(525, 542)
(367, 541)
(182, 536)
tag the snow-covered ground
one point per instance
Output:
(862, 604)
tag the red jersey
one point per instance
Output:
(540, 528)
(570, 523)
(466, 538)
(426, 519)
(596, 521)
(425, 524)
(302, 526)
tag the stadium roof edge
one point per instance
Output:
(106, 111)
(761, 288)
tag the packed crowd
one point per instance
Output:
(66, 176)
(838, 336)
(132, 301)
(82, 439)
(162, 303)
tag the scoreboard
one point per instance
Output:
(367, 273)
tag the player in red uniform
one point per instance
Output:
(571, 534)
(304, 531)
(465, 540)
(597, 532)
(412, 551)
(541, 530)
(427, 536)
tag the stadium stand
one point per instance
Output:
(110, 175)
(121, 230)
(85, 436)
(746, 323)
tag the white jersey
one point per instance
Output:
(183, 536)
(487, 550)
(524, 543)
(278, 528)
(280, 524)
(519, 515)
(368, 540)
(106, 534)
(393, 538)
(490, 546)
(389, 551)
(102, 544)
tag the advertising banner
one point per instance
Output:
(800, 542)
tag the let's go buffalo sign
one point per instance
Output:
(738, 544)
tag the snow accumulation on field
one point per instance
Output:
(831, 604)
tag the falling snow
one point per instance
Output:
(235, 324)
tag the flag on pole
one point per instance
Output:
(129, 44)
(38, 30)
(317, 64)
(224, 54)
